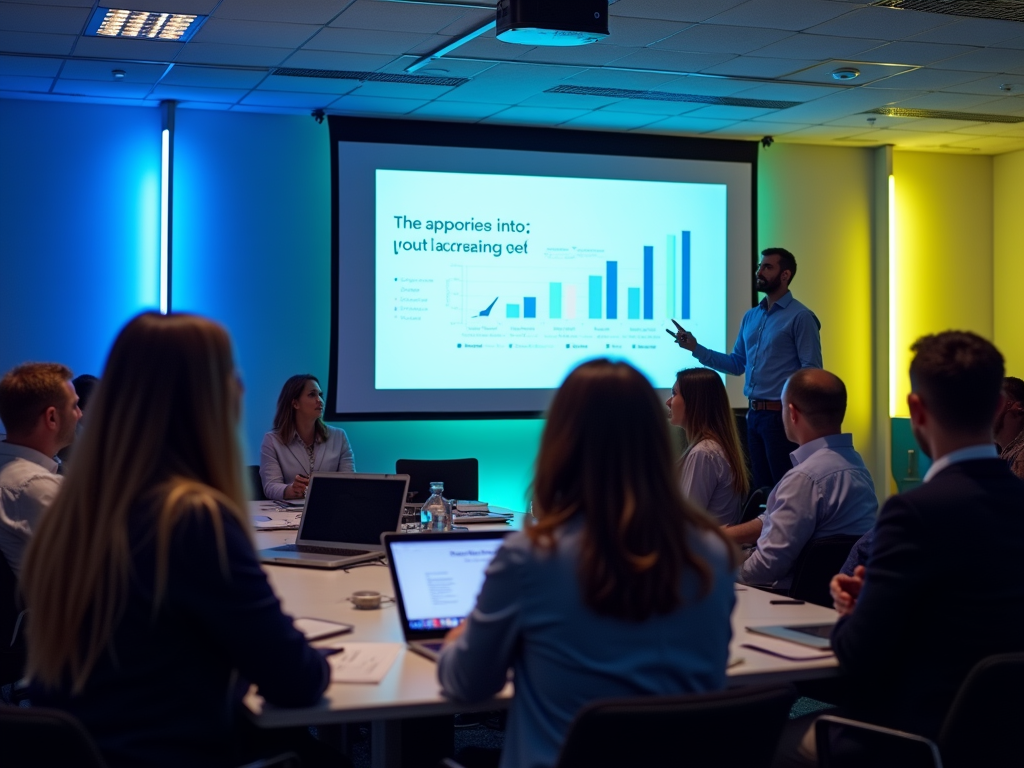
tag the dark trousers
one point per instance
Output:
(769, 448)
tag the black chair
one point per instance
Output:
(755, 503)
(12, 647)
(820, 560)
(461, 477)
(980, 729)
(34, 737)
(255, 482)
(698, 731)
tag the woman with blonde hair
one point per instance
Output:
(149, 614)
(621, 588)
(712, 470)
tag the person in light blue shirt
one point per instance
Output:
(828, 492)
(777, 338)
(621, 588)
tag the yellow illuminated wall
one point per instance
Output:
(943, 257)
(1008, 261)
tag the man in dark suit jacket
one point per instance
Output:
(942, 588)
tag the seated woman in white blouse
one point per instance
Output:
(300, 442)
(712, 472)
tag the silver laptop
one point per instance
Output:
(437, 578)
(345, 515)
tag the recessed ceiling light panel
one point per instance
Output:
(143, 25)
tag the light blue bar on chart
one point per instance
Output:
(529, 306)
(555, 301)
(595, 297)
(511, 310)
(633, 303)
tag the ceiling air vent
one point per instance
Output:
(372, 77)
(1007, 10)
(942, 114)
(626, 93)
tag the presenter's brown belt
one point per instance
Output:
(766, 405)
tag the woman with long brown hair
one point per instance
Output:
(620, 588)
(300, 443)
(712, 471)
(149, 614)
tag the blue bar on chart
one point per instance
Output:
(595, 297)
(529, 306)
(612, 290)
(685, 285)
(633, 303)
(555, 301)
(511, 310)
(670, 276)
(648, 282)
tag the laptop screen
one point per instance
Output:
(353, 509)
(439, 578)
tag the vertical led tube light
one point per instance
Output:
(892, 295)
(166, 203)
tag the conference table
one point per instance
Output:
(410, 688)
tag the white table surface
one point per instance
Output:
(410, 688)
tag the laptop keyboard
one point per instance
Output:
(321, 550)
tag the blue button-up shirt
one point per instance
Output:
(772, 345)
(828, 492)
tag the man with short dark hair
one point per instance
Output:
(942, 588)
(1009, 427)
(39, 409)
(828, 491)
(777, 338)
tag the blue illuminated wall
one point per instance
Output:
(79, 228)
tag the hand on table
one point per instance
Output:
(683, 337)
(297, 490)
(846, 589)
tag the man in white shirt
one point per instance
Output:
(39, 409)
(828, 492)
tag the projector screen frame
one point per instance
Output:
(469, 135)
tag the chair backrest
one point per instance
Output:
(12, 656)
(844, 743)
(755, 501)
(816, 565)
(255, 482)
(33, 737)
(982, 725)
(693, 731)
(461, 477)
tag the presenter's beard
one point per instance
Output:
(765, 287)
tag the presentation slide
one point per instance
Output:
(440, 580)
(513, 280)
(472, 279)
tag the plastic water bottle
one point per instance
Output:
(436, 512)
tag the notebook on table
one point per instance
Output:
(437, 577)
(345, 515)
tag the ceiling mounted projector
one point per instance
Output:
(543, 22)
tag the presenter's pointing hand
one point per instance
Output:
(683, 337)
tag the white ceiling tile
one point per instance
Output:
(194, 94)
(881, 23)
(612, 121)
(199, 7)
(932, 124)
(262, 33)
(987, 60)
(533, 116)
(446, 67)
(103, 70)
(214, 77)
(76, 99)
(994, 144)
(719, 38)
(651, 107)
(568, 101)
(308, 84)
(401, 90)
(805, 46)
(1016, 42)
(692, 10)
(25, 83)
(818, 132)
(457, 110)
(487, 93)
(921, 54)
(672, 61)
(582, 55)
(36, 42)
(488, 47)
(1007, 105)
(23, 17)
(866, 122)
(637, 33)
(305, 12)
(109, 89)
(401, 17)
(360, 62)
(685, 125)
(949, 101)
(122, 48)
(926, 78)
(598, 78)
(755, 66)
(792, 14)
(268, 110)
(472, 21)
(994, 129)
(869, 73)
(725, 112)
(29, 65)
(363, 41)
(286, 99)
(705, 86)
(971, 32)
(787, 92)
(209, 106)
(514, 74)
(762, 128)
(240, 55)
(367, 105)
(991, 85)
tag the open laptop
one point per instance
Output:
(345, 515)
(437, 578)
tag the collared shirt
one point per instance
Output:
(279, 463)
(706, 479)
(829, 492)
(971, 452)
(28, 485)
(772, 345)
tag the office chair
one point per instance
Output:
(12, 648)
(696, 731)
(820, 560)
(460, 477)
(34, 737)
(755, 501)
(255, 482)
(980, 729)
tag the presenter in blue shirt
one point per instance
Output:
(777, 338)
